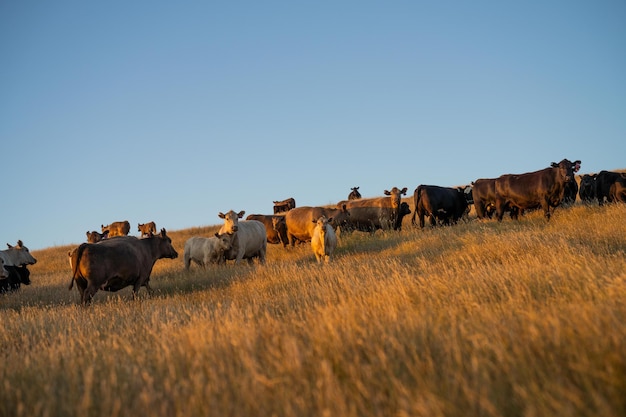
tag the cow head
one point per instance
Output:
(468, 194)
(231, 221)
(166, 250)
(224, 241)
(396, 196)
(566, 169)
(24, 275)
(279, 223)
(20, 255)
(340, 216)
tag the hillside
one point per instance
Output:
(481, 318)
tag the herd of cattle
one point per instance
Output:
(111, 260)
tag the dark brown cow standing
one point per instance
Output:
(17, 275)
(117, 228)
(354, 194)
(275, 227)
(284, 206)
(113, 264)
(544, 188)
(371, 214)
(587, 189)
(446, 204)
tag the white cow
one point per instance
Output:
(17, 255)
(248, 237)
(324, 240)
(206, 250)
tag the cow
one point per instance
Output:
(17, 255)
(95, 237)
(324, 240)
(544, 188)
(147, 229)
(605, 180)
(617, 192)
(275, 227)
(299, 221)
(445, 204)
(571, 187)
(17, 275)
(117, 228)
(206, 250)
(113, 264)
(285, 205)
(249, 237)
(371, 214)
(354, 194)
(484, 198)
(404, 211)
(587, 189)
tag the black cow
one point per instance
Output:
(285, 205)
(544, 188)
(605, 181)
(587, 190)
(17, 275)
(439, 203)
(404, 210)
(571, 187)
(354, 194)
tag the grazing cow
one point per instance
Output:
(113, 264)
(17, 275)
(587, 190)
(275, 226)
(206, 250)
(354, 194)
(439, 203)
(95, 237)
(17, 255)
(117, 228)
(544, 188)
(371, 214)
(285, 205)
(147, 229)
(249, 237)
(324, 240)
(299, 221)
(605, 180)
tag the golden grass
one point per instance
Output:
(480, 319)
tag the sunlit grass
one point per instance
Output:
(482, 318)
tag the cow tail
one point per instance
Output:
(78, 254)
(416, 200)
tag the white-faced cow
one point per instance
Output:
(249, 237)
(324, 240)
(204, 251)
(17, 275)
(544, 188)
(354, 194)
(147, 229)
(446, 204)
(284, 205)
(17, 255)
(95, 237)
(275, 226)
(300, 221)
(117, 228)
(113, 264)
(371, 214)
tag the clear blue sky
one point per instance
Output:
(175, 111)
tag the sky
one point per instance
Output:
(175, 111)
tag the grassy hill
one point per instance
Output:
(479, 319)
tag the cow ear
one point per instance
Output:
(221, 215)
(241, 213)
(217, 234)
(387, 192)
(554, 165)
(163, 232)
(9, 246)
(404, 191)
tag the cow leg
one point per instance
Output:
(500, 207)
(88, 293)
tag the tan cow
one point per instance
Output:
(275, 226)
(117, 228)
(299, 221)
(113, 264)
(147, 229)
(206, 250)
(249, 238)
(371, 214)
(95, 237)
(324, 240)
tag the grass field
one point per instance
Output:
(520, 318)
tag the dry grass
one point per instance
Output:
(481, 319)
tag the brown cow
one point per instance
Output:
(285, 205)
(113, 264)
(95, 237)
(275, 227)
(354, 194)
(146, 229)
(371, 214)
(544, 188)
(300, 224)
(117, 228)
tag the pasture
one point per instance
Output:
(482, 318)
